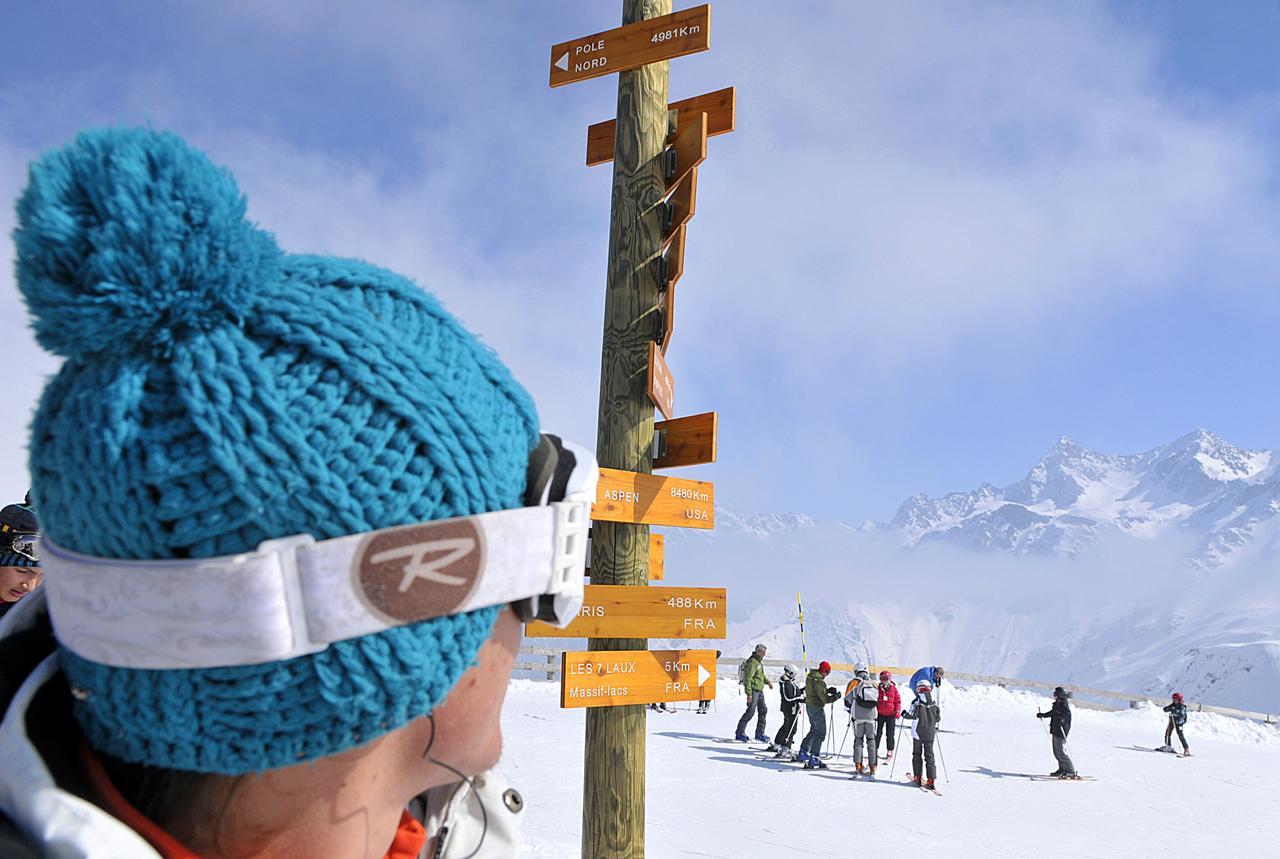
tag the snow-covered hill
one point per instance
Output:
(1139, 573)
(715, 799)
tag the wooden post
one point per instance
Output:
(614, 769)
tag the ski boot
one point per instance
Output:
(1056, 773)
(802, 757)
(1165, 748)
(871, 773)
(761, 738)
(815, 763)
(1186, 752)
(914, 779)
(857, 768)
(929, 785)
(741, 738)
(1070, 776)
(772, 747)
(784, 753)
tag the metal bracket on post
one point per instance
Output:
(659, 445)
(668, 217)
(673, 123)
(670, 161)
(663, 273)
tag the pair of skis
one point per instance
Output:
(1162, 751)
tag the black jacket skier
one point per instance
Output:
(792, 694)
(1059, 716)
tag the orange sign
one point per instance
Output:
(622, 611)
(632, 46)
(690, 150)
(660, 387)
(686, 441)
(681, 205)
(718, 106)
(650, 499)
(657, 557)
(607, 678)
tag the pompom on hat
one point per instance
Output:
(217, 393)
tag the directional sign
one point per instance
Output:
(607, 678)
(690, 149)
(632, 46)
(688, 441)
(668, 318)
(682, 203)
(675, 260)
(718, 106)
(660, 386)
(650, 499)
(621, 611)
(657, 557)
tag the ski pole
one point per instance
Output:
(942, 759)
(842, 739)
(898, 745)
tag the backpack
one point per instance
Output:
(742, 672)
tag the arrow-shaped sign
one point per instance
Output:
(563, 62)
(703, 676)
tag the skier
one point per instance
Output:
(235, 439)
(863, 703)
(753, 683)
(704, 705)
(1177, 711)
(20, 572)
(792, 694)
(887, 712)
(933, 673)
(926, 716)
(1059, 716)
(817, 695)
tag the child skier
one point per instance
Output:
(817, 695)
(863, 703)
(1177, 718)
(791, 693)
(926, 715)
(1059, 716)
(887, 711)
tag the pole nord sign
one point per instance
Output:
(607, 678)
(632, 46)
(621, 611)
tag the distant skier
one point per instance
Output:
(1059, 716)
(933, 673)
(817, 695)
(1177, 711)
(704, 705)
(753, 683)
(792, 695)
(887, 712)
(863, 702)
(924, 732)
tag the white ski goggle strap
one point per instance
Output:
(295, 596)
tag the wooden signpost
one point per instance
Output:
(657, 557)
(603, 678)
(686, 441)
(660, 387)
(681, 205)
(718, 106)
(619, 611)
(632, 46)
(650, 499)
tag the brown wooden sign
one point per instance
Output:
(675, 258)
(718, 106)
(620, 611)
(651, 499)
(683, 203)
(689, 441)
(632, 46)
(657, 557)
(607, 678)
(690, 150)
(660, 386)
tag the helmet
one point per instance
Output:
(885, 675)
(788, 670)
(1177, 696)
(924, 684)
(825, 667)
(1059, 692)
(859, 666)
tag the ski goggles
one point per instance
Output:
(26, 545)
(295, 595)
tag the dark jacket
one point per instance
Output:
(1177, 712)
(926, 714)
(792, 693)
(1059, 718)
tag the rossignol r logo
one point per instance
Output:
(420, 571)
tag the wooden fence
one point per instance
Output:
(547, 660)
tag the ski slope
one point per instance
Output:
(714, 799)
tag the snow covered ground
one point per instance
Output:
(714, 799)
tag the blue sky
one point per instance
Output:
(942, 235)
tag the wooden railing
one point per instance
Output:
(547, 660)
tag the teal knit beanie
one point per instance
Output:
(217, 393)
